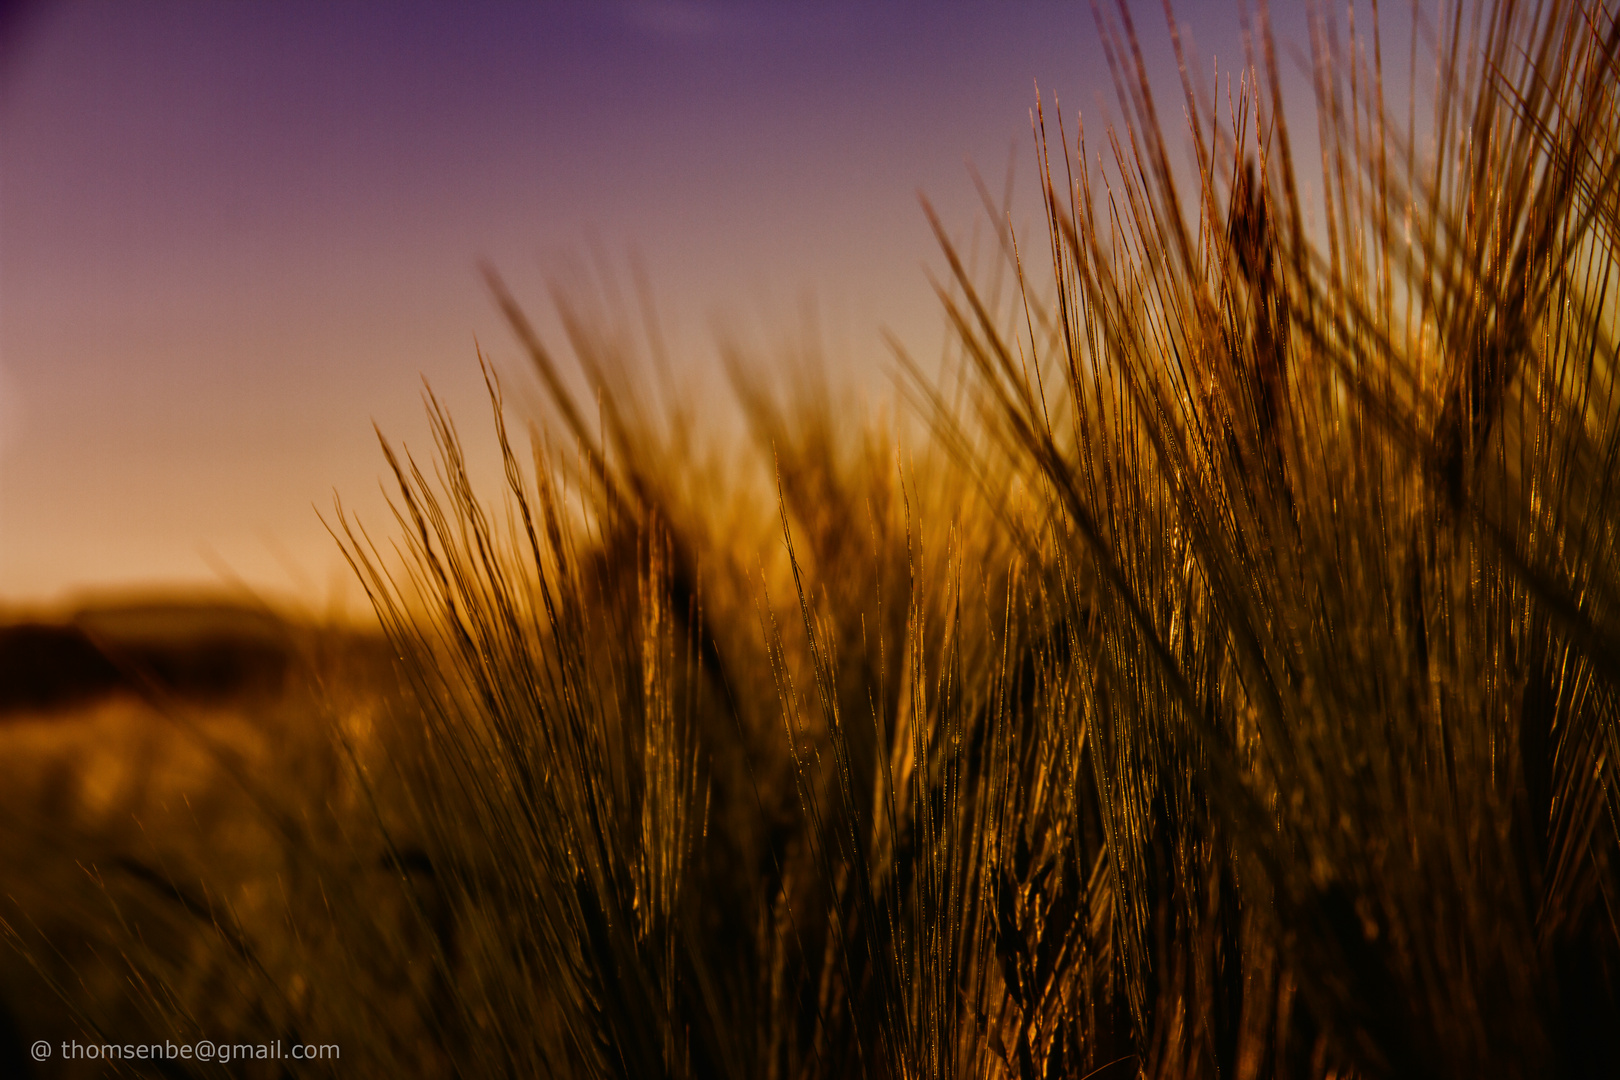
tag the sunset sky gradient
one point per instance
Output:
(233, 235)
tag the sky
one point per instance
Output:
(233, 236)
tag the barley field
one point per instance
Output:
(1210, 669)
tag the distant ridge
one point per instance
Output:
(193, 648)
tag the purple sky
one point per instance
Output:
(233, 234)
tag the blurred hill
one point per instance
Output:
(199, 649)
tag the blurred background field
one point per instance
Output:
(169, 769)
